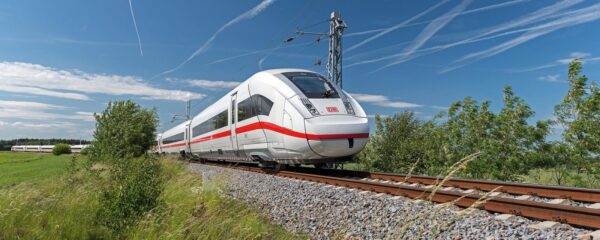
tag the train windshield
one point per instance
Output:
(312, 85)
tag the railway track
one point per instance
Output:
(463, 192)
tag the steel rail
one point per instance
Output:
(578, 216)
(549, 191)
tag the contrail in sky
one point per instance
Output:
(386, 31)
(490, 7)
(246, 15)
(136, 28)
(428, 32)
(268, 50)
(575, 17)
(533, 17)
(260, 62)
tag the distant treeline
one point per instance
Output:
(5, 145)
(510, 145)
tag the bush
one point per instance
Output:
(124, 133)
(123, 129)
(134, 189)
(61, 148)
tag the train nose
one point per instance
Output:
(337, 135)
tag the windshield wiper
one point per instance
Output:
(327, 93)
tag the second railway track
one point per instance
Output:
(453, 190)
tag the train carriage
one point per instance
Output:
(78, 148)
(17, 149)
(283, 116)
(46, 148)
(32, 148)
(174, 140)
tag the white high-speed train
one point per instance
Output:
(280, 116)
(44, 148)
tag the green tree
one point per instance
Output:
(514, 143)
(123, 129)
(395, 145)
(124, 132)
(467, 130)
(579, 113)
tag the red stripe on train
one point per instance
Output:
(275, 128)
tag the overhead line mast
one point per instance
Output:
(336, 31)
(187, 112)
(334, 64)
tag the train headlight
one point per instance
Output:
(311, 108)
(349, 107)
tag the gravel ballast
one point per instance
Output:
(328, 212)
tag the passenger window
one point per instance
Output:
(245, 109)
(174, 138)
(254, 106)
(312, 85)
(262, 105)
(221, 120)
(211, 124)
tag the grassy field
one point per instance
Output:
(42, 197)
(30, 167)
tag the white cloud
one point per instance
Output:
(550, 78)
(572, 56)
(45, 129)
(30, 105)
(439, 107)
(383, 101)
(369, 98)
(39, 111)
(25, 125)
(585, 58)
(380, 115)
(42, 92)
(19, 77)
(212, 84)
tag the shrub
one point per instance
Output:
(124, 133)
(123, 129)
(84, 152)
(61, 148)
(134, 189)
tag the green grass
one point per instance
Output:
(569, 178)
(59, 203)
(30, 167)
(546, 176)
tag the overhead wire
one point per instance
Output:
(308, 5)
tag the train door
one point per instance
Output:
(233, 121)
(187, 137)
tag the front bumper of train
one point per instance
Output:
(334, 136)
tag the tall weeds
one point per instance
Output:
(430, 219)
(67, 208)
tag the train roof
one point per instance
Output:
(207, 112)
(284, 70)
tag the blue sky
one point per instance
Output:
(60, 61)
